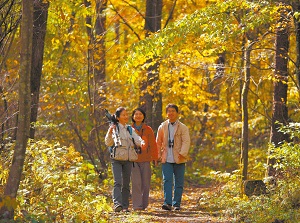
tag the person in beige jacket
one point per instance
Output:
(173, 142)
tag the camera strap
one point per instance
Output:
(129, 128)
(170, 140)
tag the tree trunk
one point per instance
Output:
(151, 98)
(5, 111)
(296, 8)
(96, 76)
(96, 59)
(279, 110)
(218, 77)
(39, 31)
(203, 121)
(100, 30)
(14, 178)
(244, 104)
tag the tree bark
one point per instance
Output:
(14, 178)
(218, 77)
(279, 110)
(39, 33)
(97, 55)
(296, 8)
(100, 30)
(5, 111)
(151, 98)
(245, 116)
(97, 79)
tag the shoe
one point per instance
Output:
(166, 207)
(126, 210)
(176, 208)
(118, 208)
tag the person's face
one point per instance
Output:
(123, 119)
(172, 114)
(138, 117)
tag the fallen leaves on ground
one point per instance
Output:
(190, 212)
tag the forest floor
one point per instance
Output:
(190, 210)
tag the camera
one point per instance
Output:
(111, 118)
(113, 121)
(171, 143)
(138, 149)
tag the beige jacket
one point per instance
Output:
(181, 142)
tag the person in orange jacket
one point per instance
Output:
(141, 170)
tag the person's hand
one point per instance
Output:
(154, 162)
(111, 128)
(181, 157)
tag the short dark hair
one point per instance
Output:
(172, 106)
(118, 112)
(138, 109)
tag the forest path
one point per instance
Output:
(190, 212)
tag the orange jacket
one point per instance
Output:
(149, 151)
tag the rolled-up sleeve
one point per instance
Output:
(137, 139)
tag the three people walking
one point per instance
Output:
(171, 147)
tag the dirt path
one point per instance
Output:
(188, 213)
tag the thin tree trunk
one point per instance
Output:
(218, 77)
(203, 121)
(100, 30)
(39, 33)
(14, 178)
(296, 8)
(5, 111)
(96, 77)
(244, 104)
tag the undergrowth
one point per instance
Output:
(58, 186)
(280, 204)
